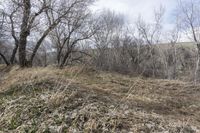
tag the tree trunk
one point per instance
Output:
(58, 55)
(24, 33)
(40, 42)
(197, 65)
(5, 60)
(65, 59)
(22, 53)
(12, 59)
(175, 62)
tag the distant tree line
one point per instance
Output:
(66, 32)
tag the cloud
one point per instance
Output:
(133, 8)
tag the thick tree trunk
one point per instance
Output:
(25, 31)
(4, 59)
(22, 53)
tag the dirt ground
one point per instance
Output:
(79, 99)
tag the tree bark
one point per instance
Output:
(12, 59)
(65, 59)
(58, 55)
(197, 64)
(24, 33)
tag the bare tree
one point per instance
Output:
(70, 33)
(188, 12)
(133, 46)
(14, 25)
(12, 14)
(151, 34)
(48, 12)
(2, 22)
(110, 25)
(172, 56)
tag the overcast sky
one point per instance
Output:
(133, 8)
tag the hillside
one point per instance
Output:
(81, 99)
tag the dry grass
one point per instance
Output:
(82, 99)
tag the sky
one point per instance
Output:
(131, 9)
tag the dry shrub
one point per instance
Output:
(28, 75)
(55, 100)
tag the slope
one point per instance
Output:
(82, 99)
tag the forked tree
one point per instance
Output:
(44, 15)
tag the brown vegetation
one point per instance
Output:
(81, 99)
